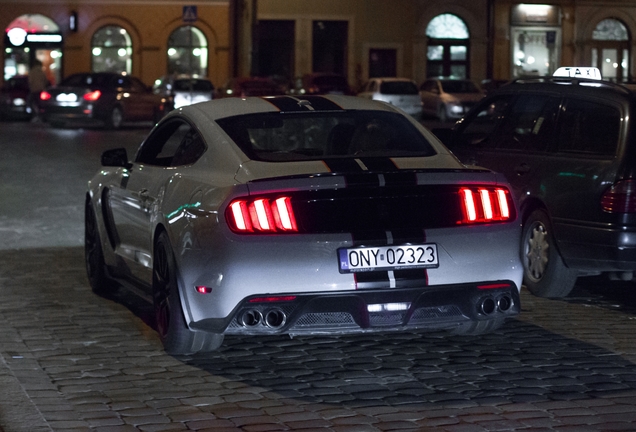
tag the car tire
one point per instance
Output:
(544, 272)
(476, 328)
(93, 253)
(115, 119)
(441, 114)
(176, 337)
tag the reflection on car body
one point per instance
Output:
(302, 216)
(182, 90)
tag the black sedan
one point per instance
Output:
(103, 98)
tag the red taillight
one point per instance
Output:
(44, 95)
(620, 198)
(272, 299)
(485, 204)
(261, 215)
(92, 96)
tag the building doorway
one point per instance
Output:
(610, 50)
(448, 53)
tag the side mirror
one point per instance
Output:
(116, 158)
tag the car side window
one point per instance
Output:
(589, 127)
(529, 125)
(172, 144)
(482, 125)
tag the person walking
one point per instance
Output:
(37, 83)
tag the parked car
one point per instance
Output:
(103, 98)
(183, 90)
(401, 92)
(250, 86)
(320, 83)
(14, 97)
(302, 216)
(567, 147)
(449, 98)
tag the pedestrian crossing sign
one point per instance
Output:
(189, 13)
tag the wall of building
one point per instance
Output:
(149, 24)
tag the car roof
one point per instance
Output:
(572, 86)
(228, 107)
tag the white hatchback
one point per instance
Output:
(401, 92)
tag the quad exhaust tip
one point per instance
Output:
(489, 305)
(272, 318)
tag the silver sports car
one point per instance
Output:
(302, 216)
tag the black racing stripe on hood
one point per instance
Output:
(379, 164)
(303, 104)
(342, 165)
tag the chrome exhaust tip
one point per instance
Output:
(275, 318)
(487, 306)
(504, 303)
(251, 318)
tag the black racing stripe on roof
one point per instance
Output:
(342, 165)
(379, 164)
(303, 104)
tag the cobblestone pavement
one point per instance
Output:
(73, 361)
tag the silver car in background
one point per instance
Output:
(401, 92)
(302, 216)
(449, 98)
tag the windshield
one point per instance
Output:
(398, 88)
(303, 136)
(459, 86)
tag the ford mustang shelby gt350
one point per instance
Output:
(302, 216)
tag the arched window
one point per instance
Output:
(188, 52)
(610, 49)
(111, 50)
(448, 47)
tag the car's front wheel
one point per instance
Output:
(176, 337)
(93, 254)
(545, 273)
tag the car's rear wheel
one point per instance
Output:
(545, 273)
(93, 253)
(176, 337)
(115, 119)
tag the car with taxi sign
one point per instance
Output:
(567, 144)
(307, 215)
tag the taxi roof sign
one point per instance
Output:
(578, 72)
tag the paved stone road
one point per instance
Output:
(73, 361)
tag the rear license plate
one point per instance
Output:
(351, 260)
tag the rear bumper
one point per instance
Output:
(441, 307)
(592, 248)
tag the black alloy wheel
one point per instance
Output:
(93, 253)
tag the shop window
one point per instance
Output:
(111, 50)
(610, 50)
(188, 52)
(33, 37)
(448, 47)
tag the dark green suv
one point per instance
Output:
(568, 147)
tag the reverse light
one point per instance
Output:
(484, 204)
(44, 95)
(92, 96)
(620, 198)
(261, 215)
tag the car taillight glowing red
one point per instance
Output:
(92, 96)
(620, 198)
(261, 215)
(44, 95)
(484, 204)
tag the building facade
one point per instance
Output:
(476, 39)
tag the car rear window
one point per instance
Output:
(89, 80)
(459, 86)
(398, 88)
(193, 85)
(299, 136)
